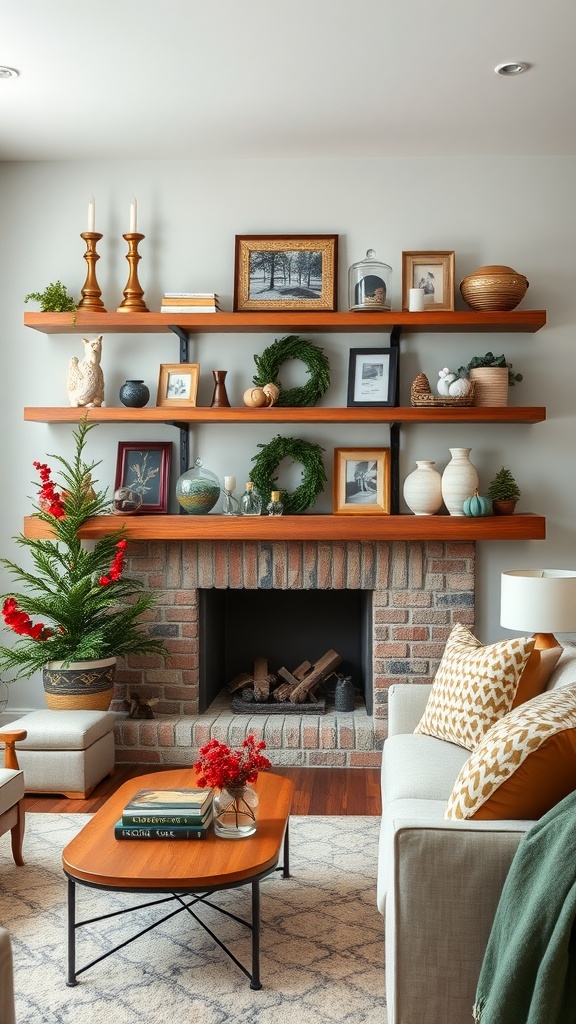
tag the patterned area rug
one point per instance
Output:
(322, 948)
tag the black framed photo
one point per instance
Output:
(372, 377)
(285, 272)
(143, 468)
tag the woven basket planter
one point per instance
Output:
(81, 686)
(490, 385)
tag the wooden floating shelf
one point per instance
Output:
(292, 414)
(355, 527)
(525, 320)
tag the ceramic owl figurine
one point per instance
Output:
(85, 377)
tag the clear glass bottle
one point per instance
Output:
(369, 283)
(250, 502)
(275, 506)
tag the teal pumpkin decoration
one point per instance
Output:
(476, 505)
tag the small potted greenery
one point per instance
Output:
(504, 492)
(492, 376)
(85, 609)
(54, 299)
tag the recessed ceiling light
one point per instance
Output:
(8, 72)
(514, 67)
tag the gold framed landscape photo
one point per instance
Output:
(434, 273)
(362, 481)
(178, 384)
(285, 272)
(143, 468)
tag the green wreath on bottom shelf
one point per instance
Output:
(313, 477)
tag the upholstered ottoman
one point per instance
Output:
(66, 752)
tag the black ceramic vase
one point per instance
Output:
(134, 394)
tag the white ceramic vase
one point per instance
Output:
(423, 489)
(459, 480)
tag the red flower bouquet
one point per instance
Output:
(235, 805)
(222, 768)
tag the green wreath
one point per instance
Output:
(293, 347)
(313, 477)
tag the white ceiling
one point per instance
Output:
(121, 79)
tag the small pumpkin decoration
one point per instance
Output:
(255, 397)
(476, 505)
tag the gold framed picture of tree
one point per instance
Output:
(285, 272)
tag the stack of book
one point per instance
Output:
(190, 302)
(166, 814)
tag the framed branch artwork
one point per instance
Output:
(178, 384)
(372, 377)
(285, 272)
(433, 272)
(143, 469)
(361, 481)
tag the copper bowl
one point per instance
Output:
(493, 287)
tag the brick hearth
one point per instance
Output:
(420, 589)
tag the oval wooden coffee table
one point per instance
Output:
(187, 870)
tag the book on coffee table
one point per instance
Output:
(123, 831)
(159, 801)
(165, 816)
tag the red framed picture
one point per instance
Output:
(143, 468)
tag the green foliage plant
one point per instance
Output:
(503, 487)
(88, 607)
(491, 360)
(54, 299)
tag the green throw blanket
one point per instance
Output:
(528, 975)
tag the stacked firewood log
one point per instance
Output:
(296, 687)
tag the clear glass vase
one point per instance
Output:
(235, 812)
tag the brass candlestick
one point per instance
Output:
(91, 292)
(133, 301)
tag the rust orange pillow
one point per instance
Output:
(525, 764)
(534, 679)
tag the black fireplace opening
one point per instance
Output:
(287, 627)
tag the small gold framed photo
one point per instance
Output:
(362, 481)
(178, 384)
(285, 272)
(433, 272)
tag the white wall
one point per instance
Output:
(518, 212)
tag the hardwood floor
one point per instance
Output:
(316, 791)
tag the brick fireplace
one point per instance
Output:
(419, 590)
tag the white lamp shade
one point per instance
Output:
(538, 600)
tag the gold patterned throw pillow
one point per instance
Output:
(525, 764)
(474, 686)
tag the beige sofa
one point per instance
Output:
(439, 880)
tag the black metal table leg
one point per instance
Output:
(286, 864)
(255, 982)
(71, 979)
